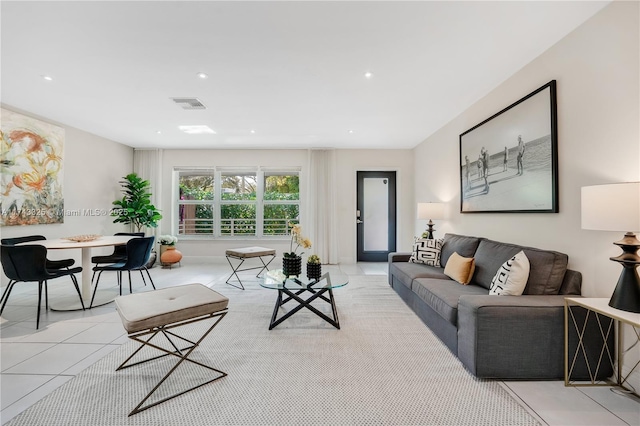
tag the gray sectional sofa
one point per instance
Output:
(505, 337)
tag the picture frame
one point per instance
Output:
(509, 162)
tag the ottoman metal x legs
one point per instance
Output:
(148, 315)
(245, 253)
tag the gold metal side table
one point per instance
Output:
(596, 309)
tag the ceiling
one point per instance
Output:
(280, 74)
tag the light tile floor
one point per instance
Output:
(35, 363)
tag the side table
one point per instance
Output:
(598, 309)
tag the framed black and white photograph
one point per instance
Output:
(509, 162)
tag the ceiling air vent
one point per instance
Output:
(189, 103)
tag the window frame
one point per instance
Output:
(217, 202)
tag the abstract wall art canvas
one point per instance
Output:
(31, 170)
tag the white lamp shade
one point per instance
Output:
(430, 211)
(614, 207)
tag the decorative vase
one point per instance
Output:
(169, 255)
(314, 271)
(292, 266)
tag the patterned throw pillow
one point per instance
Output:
(426, 252)
(511, 278)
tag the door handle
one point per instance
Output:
(359, 221)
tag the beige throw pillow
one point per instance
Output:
(460, 268)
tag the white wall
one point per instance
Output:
(93, 166)
(597, 72)
(347, 163)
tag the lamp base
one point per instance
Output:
(626, 296)
(428, 234)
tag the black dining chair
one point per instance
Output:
(119, 252)
(51, 264)
(138, 252)
(28, 263)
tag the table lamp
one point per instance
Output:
(430, 211)
(616, 207)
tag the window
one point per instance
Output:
(281, 202)
(237, 203)
(195, 204)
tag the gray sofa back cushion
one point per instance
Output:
(547, 267)
(463, 245)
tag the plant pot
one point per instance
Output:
(292, 266)
(169, 255)
(314, 271)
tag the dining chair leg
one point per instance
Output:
(46, 296)
(95, 288)
(39, 303)
(75, 283)
(120, 281)
(149, 275)
(142, 275)
(130, 289)
(5, 295)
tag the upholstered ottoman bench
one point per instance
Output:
(154, 313)
(245, 253)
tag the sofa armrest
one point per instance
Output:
(396, 257)
(399, 257)
(517, 337)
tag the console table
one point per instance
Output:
(596, 309)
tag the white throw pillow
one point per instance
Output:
(426, 252)
(511, 278)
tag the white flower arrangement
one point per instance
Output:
(167, 240)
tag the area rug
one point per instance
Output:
(383, 367)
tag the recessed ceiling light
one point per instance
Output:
(368, 74)
(253, 132)
(159, 132)
(197, 130)
(351, 131)
(47, 77)
(202, 75)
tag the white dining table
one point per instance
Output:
(87, 266)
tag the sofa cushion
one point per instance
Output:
(406, 272)
(512, 276)
(460, 268)
(442, 295)
(547, 268)
(426, 251)
(461, 244)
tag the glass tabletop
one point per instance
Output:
(276, 280)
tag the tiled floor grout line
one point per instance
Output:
(523, 403)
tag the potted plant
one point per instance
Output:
(135, 207)
(292, 260)
(314, 267)
(168, 252)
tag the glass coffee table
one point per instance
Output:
(295, 289)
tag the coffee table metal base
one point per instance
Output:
(285, 295)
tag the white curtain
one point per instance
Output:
(147, 165)
(322, 210)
